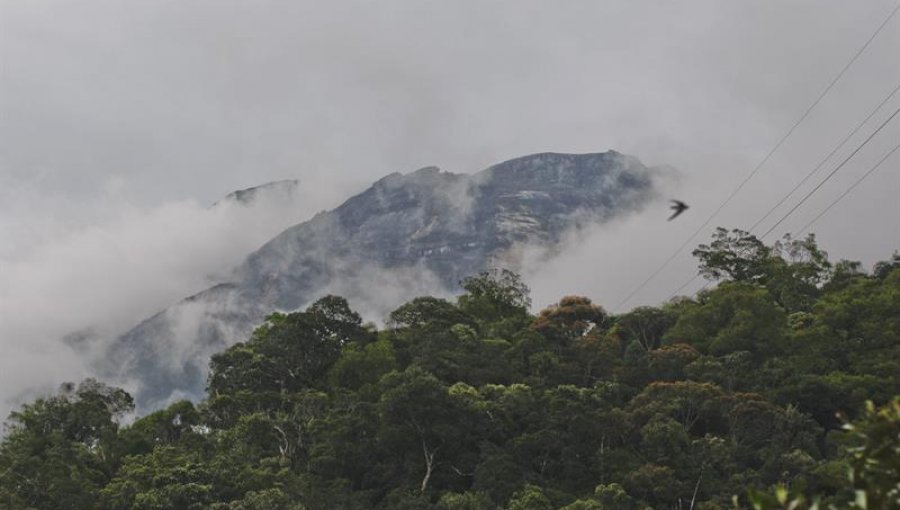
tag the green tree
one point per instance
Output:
(420, 421)
(269, 499)
(288, 353)
(429, 314)
(646, 325)
(498, 300)
(874, 473)
(464, 501)
(792, 269)
(361, 366)
(875, 458)
(697, 407)
(657, 485)
(177, 423)
(569, 320)
(61, 450)
(575, 329)
(737, 255)
(733, 317)
(168, 477)
(613, 497)
(530, 497)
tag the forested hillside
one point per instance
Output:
(477, 404)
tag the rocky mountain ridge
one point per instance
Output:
(277, 190)
(406, 235)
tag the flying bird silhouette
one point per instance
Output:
(679, 207)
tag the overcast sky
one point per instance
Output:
(121, 121)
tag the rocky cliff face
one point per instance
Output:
(406, 235)
(283, 190)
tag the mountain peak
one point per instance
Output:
(248, 195)
(427, 171)
(559, 169)
(408, 234)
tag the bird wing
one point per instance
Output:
(679, 207)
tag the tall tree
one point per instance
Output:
(61, 450)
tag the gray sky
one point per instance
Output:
(120, 121)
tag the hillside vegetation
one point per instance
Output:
(477, 404)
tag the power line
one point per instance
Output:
(812, 221)
(764, 160)
(838, 147)
(829, 176)
(682, 286)
(848, 190)
(830, 154)
(832, 204)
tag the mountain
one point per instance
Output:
(406, 235)
(284, 190)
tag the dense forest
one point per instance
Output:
(773, 387)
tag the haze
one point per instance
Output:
(122, 121)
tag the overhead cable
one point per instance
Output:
(848, 190)
(825, 159)
(833, 172)
(764, 160)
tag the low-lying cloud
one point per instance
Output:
(96, 270)
(121, 121)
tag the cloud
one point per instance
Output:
(109, 266)
(122, 120)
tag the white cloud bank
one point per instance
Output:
(120, 121)
(103, 267)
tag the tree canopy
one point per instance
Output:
(778, 380)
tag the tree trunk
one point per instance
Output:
(429, 464)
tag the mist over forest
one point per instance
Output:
(514, 255)
(784, 373)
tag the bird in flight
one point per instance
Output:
(679, 207)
